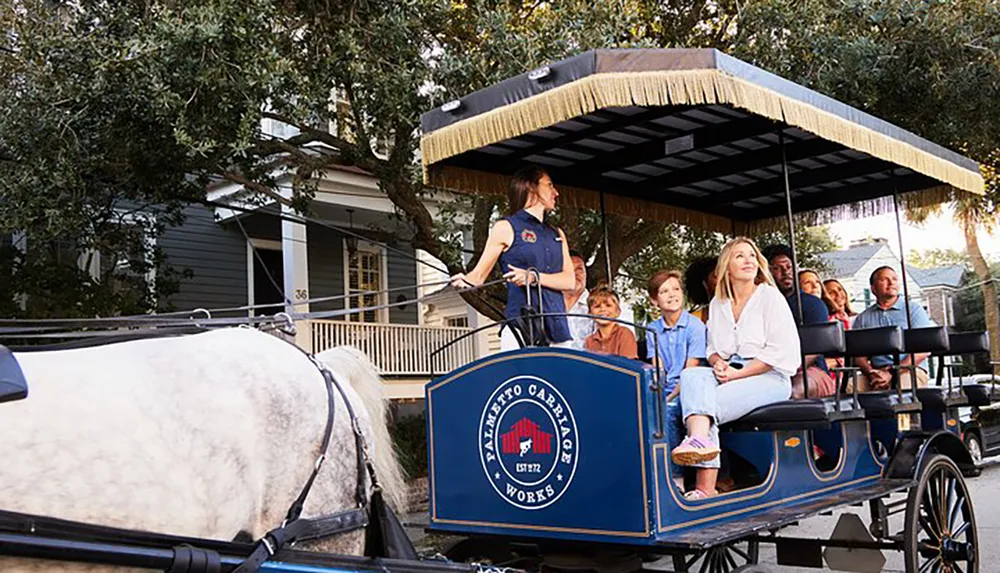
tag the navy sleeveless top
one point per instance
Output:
(536, 245)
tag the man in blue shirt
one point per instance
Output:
(888, 310)
(814, 311)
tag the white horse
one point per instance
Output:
(209, 435)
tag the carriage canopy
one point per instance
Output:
(686, 135)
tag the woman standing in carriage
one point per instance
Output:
(523, 241)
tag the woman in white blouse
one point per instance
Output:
(753, 349)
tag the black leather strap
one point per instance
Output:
(296, 509)
(301, 530)
(188, 559)
(294, 527)
(364, 460)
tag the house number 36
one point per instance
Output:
(301, 294)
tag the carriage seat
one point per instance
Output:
(826, 339)
(981, 394)
(934, 398)
(13, 385)
(811, 413)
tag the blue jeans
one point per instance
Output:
(701, 394)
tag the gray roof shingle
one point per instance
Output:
(847, 263)
(950, 276)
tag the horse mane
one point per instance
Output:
(364, 378)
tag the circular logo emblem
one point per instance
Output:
(528, 236)
(528, 442)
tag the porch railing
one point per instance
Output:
(398, 349)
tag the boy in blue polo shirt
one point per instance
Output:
(680, 337)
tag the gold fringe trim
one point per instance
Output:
(577, 198)
(680, 87)
(469, 181)
(853, 211)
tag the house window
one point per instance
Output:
(457, 321)
(366, 283)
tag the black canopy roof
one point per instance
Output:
(687, 135)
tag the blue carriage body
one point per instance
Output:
(560, 444)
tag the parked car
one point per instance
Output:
(981, 425)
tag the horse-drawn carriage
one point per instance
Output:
(561, 458)
(554, 458)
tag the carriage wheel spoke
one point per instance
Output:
(942, 499)
(927, 564)
(928, 525)
(741, 553)
(954, 499)
(713, 561)
(961, 529)
(930, 508)
(957, 567)
(731, 560)
(704, 564)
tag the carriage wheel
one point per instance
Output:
(940, 533)
(725, 558)
(496, 553)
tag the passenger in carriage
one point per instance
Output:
(680, 336)
(609, 337)
(839, 303)
(699, 282)
(753, 350)
(576, 301)
(888, 310)
(810, 283)
(522, 241)
(814, 311)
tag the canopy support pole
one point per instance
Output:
(902, 251)
(795, 262)
(791, 225)
(906, 304)
(607, 244)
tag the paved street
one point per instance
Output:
(986, 502)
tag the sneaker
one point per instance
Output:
(694, 450)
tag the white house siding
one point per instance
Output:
(450, 306)
(858, 283)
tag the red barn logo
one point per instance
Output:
(528, 442)
(529, 236)
(526, 436)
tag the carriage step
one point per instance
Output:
(743, 525)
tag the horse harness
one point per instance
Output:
(296, 528)
(204, 556)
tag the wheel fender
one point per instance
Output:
(915, 448)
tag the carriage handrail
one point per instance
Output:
(657, 375)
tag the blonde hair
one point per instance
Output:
(724, 288)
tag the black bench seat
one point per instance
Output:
(806, 414)
(936, 398)
(886, 404)
(981, 395)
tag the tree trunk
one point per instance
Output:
(989, 287)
